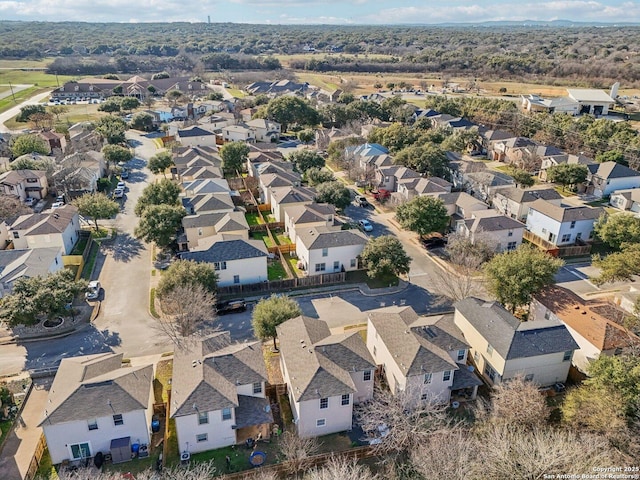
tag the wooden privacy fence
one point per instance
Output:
(574, 250)
(278, 285)
(36, 459)
(262, 227)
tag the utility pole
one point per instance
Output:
(12, 95)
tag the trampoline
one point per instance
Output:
(257, 459)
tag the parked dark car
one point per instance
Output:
(362, 201)
(231, 306)
(435, 241)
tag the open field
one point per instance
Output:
(26, 63)
(33, 77)
(76, 113)
(286, 60)
(4, 88)
(8, 102)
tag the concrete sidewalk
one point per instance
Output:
(21, 445)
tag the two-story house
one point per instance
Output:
(238, 133)
(595, 325)
(329, 249)
(555, 160)
(607, 177)
(461, 205)
(282, 197)
(204, 225)
(503, 347)
(236, 260)
(96, 405)
(626, 200)
(562, 225)
(264, 130)
(218, 393)
(196, 136)
(24, 184)
(15, 264)
(504, 232)
(299, 217)
(220, 202)
(424, 356)
(325, 374)
(514, 202)
(419, 187)
(60, 228)
(389, 178)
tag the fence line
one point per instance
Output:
(276, 285)
(37, 457)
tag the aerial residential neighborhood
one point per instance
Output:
(295, 256)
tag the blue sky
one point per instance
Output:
(317, 11)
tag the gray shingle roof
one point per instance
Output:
(97, 386)
(612, 170)
(566, 214)
(253, 411)
(319, 363)
(194, 131)
(510, 337)
(310, 213)
(27, 263)
(207, 373)
(326, 237)
(519, 195)
(225, 248)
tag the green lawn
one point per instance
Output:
(264, 237)
(88, 266)
(46, 470)
(34, 77)
(276, 271)
(253, 218)
(237, 93)
(5, 428)
(80, 246)
(282, 239)
(8, 102)
(293, 262)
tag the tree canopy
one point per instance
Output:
(303, 160)
(33, 297)
(315, 176)
(186, 273)
(116, 154)
(160, 162)
(111, 129)
(142, 121)
(288, 111)
(96, 206)
(522, 178)
(164, 192)
(423, 215)
(428, 158)
(385, 256)
(234, 156)
(11, 207)
(271, 312)
(618, 266)
(618, 229)
(27, 111)
(335, 193)
(25, 144)
(513, 277)
(567, 174)
(160, 223)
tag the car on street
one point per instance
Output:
(433, 241)
(60, 199)
(57, 205)
(231, 306)
(93, 290)
(163, 260)
(120, 185)
(125, 174)
(365, 225)
(362, 201)
(118, 193)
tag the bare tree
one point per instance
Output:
(401, 421)
(295, 451)
(463, 278)
(196, 471)
(341, 468)
(518, 402)
(462, 452)
(186, 309)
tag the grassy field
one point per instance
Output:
(26, 63)
(8, 102)
(34, 77)
(4, 88)
(76, 113)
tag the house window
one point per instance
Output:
(510, 233)
(573, 224)
(446, 375)
(567, 356)
(566, 238)
(490, 372)
(578, 236)
(427, 377)
(203, 437)
(236, 279)
(374, 350)
(118, 420)
(321, 422)
(547, 314)
(590, 234)
(489, 349)
(92, 424)
(544, 230)
(324, 403)
(346, 399)
(476, 357)
(461, 355)
(16, 235)
(367, 376)
(528, 377)
(325, 252)
(219, 265)
(512, 246)
(226, 414)
(80, 450)
(257, 387)
(321, 267)
(336, 265)
(203, 418)
(353, 263)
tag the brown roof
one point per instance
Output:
(14, 177)
(585, 317)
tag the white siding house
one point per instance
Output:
(237, 133)
(502, 347)
(92, 401)
(59, 228)
(15, 264)
(281, 197)
(218, 393)
(329, 250)
(626, 200)
(514, 202)
(264, 130)
(196, 136)
(307, 216)
(25, 183)
(325, 374)
(562, 225)
(607, 177)
(235, 259)
(504, 232)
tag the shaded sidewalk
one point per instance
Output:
(22, 442)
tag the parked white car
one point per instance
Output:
(93, 290)
(118, 193)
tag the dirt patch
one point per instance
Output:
(272, 361)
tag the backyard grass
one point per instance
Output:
(80, 246)
(264, 237)
(88, 266)
(164, 373)
(137, 465)
(563, 192)
(293, 262)
(46, 470)
(269, 218)
(276, 271)
(76, 113)
(237, 93)
(282, 239)
(173, 455)
(253, 218)
(5, 428)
